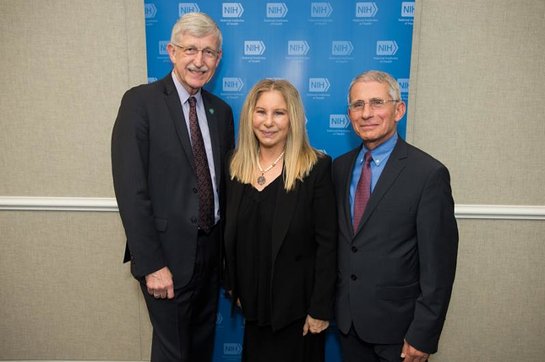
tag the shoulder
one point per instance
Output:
(215, 101)
(320, 169)
(422, 159)
(323, 161)
(147, 91)
(421, 167)
(345, 160)
(348, 156)
(322, 164)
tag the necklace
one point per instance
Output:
(261, 179)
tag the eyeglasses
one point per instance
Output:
(374, 104)
(191, 51)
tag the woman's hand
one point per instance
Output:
(314, 326)
(230, 294)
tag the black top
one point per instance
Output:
(253, 250)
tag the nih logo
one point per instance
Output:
(254, 47)
(320, 10)
(184, 8)
(341, 48)
(338, 121)
(163, 47)
(386, 47)
(276, 10)
(407, 9)
(232, 84)
(403, 85)
(366, 10)
(219, 318)
(232, 349)
(318, 85)
(232, 10)
(298, 47)
(150, 11)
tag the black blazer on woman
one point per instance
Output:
(304, 241)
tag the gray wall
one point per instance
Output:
(64, 293)
(476, 103)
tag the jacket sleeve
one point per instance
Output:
(325, 234)
(130, 151)
(437, 235)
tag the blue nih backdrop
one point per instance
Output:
(317, 45)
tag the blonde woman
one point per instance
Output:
(281, 230)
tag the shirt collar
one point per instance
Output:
(382, 151)
(183, 93)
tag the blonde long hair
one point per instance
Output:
(299, 157)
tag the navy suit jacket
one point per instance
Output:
(304, 239)
(396, 271)
(154, 177)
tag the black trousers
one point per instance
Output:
(354, 349)
(184, 327)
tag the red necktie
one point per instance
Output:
(363, 191)
(204, 182)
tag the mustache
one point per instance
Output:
(202, 68)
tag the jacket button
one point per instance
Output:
(353, 277)
(354, 249)
(195, 190)
(193, 220)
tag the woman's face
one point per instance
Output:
(270, 120)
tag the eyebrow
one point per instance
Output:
(274, 109)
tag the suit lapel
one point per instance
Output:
(172, 100)
(396, 163)
(211, 118)
(283, 214)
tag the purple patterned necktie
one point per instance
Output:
(204, 182)
(363, 191)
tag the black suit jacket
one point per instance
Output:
(154, 177)
(396, 272)
(303, 247)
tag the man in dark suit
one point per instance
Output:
(168, 146)
(398, 242)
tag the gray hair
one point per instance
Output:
(195, 24)
(380, 77)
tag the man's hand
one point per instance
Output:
(159, 284)
(314, 325)
(411, 354)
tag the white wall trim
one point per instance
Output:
(511, 212)
(105, 204)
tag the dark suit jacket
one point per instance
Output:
(396, 272)
(304, 243)
(154, 178)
